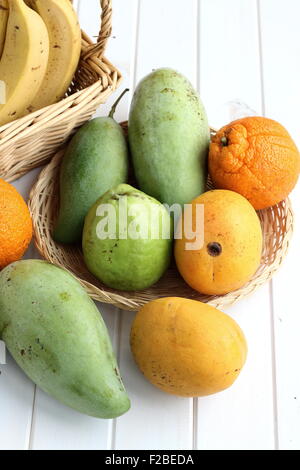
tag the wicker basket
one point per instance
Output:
(30, 141)
(277, 226)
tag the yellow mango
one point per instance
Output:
(187, 348)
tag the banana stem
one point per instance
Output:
(114, 106)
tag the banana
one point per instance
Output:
(65, 47)
(24, 60)
(4, 9)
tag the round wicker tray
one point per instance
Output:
(276, 222)
(30, 141)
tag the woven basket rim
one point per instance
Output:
(32, 122)
(95, 79)
(277, 224)
(92, 50)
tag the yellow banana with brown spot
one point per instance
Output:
(65, 47)
(24, 60)
(4, 9)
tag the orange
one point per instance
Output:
(15, 225)
(232, 243)
(257, 158)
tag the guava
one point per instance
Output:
(127, 239)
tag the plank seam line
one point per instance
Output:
(76, 5)
(113, 423)
(274, 367)
(198, 38)
(261, 62)
(272, 316)
(113, 430)
(195, 401)
(31, 432)
(136, 49)
(195, 423)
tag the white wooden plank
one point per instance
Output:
(120, 48)
(16, 391)
(89, 16)
(242, 417)
(76, 4)
(156, 420)
(281, 66)
(121, 52)
(229, 59)
(167, 37)
(16, 398)
(55, 426)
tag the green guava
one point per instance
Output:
(127, 239)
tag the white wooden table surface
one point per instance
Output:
(233, 50)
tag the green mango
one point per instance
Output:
(169, 138)
(95, 161)
(57, 336)
(128, 246)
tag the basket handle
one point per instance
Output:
(98, 49)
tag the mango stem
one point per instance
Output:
(114, 106)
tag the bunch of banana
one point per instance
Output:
(40, 44)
